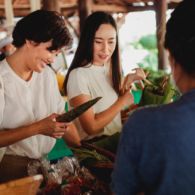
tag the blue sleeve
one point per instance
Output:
(125, 177)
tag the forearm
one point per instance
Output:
(11, 136)
(71, 136)
(96, 124)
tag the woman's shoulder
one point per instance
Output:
(84, 69)
(81, 71)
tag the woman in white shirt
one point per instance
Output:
(96, 71)
(30, 99)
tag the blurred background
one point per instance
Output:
(141, 25)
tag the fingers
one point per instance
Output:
(138, 76)
(140, 73)
(127, 83)
(53, 116)
(141, 84)
(58, 135)
(60, 129)
(62, 126)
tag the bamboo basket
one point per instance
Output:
(25, 186)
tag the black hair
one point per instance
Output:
(42, 26)
(180, 35)
(84, 52)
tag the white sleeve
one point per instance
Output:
(2, 104)
(77, 84)
(59, 100)
(2, 100)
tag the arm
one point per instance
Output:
(71, 136)
(46, 126)
(93, 123)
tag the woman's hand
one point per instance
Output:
(131, 77)
(48, 126)
(125, 113)
(126, 98)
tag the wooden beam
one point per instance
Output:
(121, 9)
(161, 8)
(52, 5)
(85, 9)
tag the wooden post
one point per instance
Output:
(52, 5)
(35, 5)
(9, 12)
(85, 9)
(161, 8)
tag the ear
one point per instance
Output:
(29, 43)
(175, 69)
(172, 62)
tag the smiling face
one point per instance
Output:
(40, 55)
(104, 44)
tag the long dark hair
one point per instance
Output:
(84, 52)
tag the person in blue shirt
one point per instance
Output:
(156, 154)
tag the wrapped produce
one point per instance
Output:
(67, 177)
(161, 92)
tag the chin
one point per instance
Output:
(39, 70)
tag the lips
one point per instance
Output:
(103, 57)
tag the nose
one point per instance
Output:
(50, 60)
(105, 47)
(52, 56)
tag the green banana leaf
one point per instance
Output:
(160, 92)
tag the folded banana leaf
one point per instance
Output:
(109, 143)
(158, 93)
(89, 157)
(75, 112)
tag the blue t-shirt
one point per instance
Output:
(156, 153)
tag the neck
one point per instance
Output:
(186, 83)
(18, 63)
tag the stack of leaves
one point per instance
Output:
(88, 157)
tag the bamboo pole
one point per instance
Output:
(9, 13)
(161, 8)
(35, 5)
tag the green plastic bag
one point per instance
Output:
(59, 150)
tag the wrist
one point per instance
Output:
(121, 102)
(37, 128)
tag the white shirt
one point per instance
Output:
(94, 81)
(27, 102)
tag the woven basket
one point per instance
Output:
(24, 186)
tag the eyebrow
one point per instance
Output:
(111, 38)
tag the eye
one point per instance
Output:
(111, 42)
(49, 49)
(98, 42)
